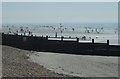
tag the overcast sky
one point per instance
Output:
(59, 12)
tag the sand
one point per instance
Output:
(77, 65)
(15, 64)
(22, 63)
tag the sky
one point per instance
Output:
(60, 0)
(59, 12)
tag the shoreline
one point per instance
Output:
(78, 65)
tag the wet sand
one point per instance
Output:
(78, 65)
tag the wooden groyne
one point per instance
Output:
(60, 46)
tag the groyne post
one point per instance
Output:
(77, 39)
(62, 38)
(107, 42)
(92, 40)
(47, 37)
(56, 35)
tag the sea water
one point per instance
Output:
(98, 31)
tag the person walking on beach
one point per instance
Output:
(30, 33)
(9, 30)
(84, 38)
(73, 29)
(16, 32)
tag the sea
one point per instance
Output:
(98, 31)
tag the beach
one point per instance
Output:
(59, 39)
(15, 64)
(22, 63)
(77, 65)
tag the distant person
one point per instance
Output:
(29, 33)
(21, 29)
(88, 31)
(96, 30)
(9, 30)
(84, 38)
(54, 28)
(65, 28)
(73, 29)
(16, 32)
(61, 31)
(101, 28)
(69, 36)
(96, 37)
(24, 33)
(92, 30)
(85, 29)
(89, 37)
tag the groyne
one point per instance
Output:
(62, 46)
